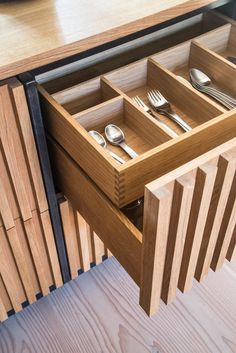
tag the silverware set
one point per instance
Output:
(200, 81)
(158, 103)
(161, 105)
(115, 136)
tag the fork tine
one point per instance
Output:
(154, 97)
(159, 94)
(150, 98)
(140, 101)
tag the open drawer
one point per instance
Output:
(71, 112)
(189, 221)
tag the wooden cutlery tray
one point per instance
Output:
(188, 182)
(70, 113)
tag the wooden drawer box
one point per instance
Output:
(189, 221)
(188, 181)
(70, 113)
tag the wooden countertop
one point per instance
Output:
(36, 32)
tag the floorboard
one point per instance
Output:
(99, 313)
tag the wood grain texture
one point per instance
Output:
(119, 235)
(98, 312)
(179, 210)
(119, 182)
(55, 31)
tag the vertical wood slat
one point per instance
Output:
(9, 273)
(70, 234)
(231, 253)
(5, 304)
(82, 244)
(181, 206)
(226, 231)
(155, 235)
(13, 154)
(27, 241)
(4, 296)
(194, 208)
(200, 205)
(220, 195)
(27, 140)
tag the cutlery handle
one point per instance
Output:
(217, 98)
(223, 95)
(117, 158)
(176, 118)
(128, 150)
(166, 126)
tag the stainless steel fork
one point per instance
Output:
(142, 105)
(163, 107)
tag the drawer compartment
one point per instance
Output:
(151, 139)
(72, 108)
(189, 221)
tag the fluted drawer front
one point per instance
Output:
(189, 222)
(189, 225)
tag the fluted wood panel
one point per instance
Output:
(28, 257)
(189, 225)
(83, 246)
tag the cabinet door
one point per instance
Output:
(29, 262)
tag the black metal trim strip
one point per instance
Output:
(125, 39)
(31, 91)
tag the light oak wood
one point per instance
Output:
(182, 248)
(9, 273)
(119, 182)
(181, 207)
(174, 222)
(205, 176)
(71, 74)
(72, 318)
(182, 58)
(118, 234)
(76, 28)
(154, 246)
(220, 195)
(27, 139)
(221, 41)
(13, 153)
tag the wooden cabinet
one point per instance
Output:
(84, 247)
(28, 257)
(188, 181)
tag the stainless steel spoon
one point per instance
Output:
(102, 142)
(116, 137)
(202, 89)
(200, 78)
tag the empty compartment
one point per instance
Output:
(180, 59)
(82, 70)
(139, 78)
(141, 133)
(85, 95)
(221, 41)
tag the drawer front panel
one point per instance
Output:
(189, 221)
(189, 225)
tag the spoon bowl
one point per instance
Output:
(117, 138)
(199, 77)
(102, 142)
(98, 137)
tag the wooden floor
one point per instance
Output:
(99, 313)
